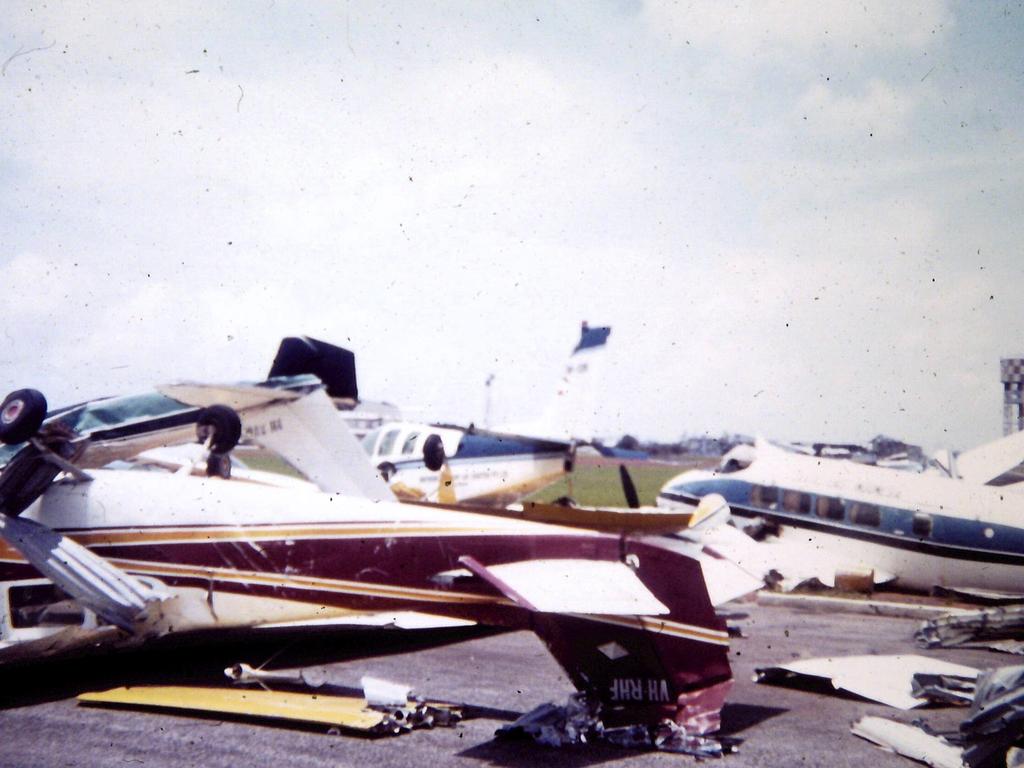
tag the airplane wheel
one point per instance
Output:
(21, 414)
(387, 470)
(433, 453)
(226, 426)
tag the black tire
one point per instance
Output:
(21, 414)
(433, 453)
(387, 470)
(226, 426)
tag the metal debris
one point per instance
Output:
(1000, 628)
(397, 708)
(994, 724)
(310, 677)
(885, 679)
(575, 722)
(578, 721)
(909, 741)
(956, 690)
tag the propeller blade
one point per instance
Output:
(628, 489)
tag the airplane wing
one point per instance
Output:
(987, 462)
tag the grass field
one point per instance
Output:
(596, 483)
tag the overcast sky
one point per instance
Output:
(802, 219)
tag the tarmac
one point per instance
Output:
(499, 675)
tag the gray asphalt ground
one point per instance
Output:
(501, 675)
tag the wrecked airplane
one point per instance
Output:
(144, 555)
(824, 517)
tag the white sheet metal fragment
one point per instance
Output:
(579, 586)
(384, 693)
(885, 679)
(909, 741)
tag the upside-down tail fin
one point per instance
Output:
(646, 669)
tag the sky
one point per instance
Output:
(802, 219)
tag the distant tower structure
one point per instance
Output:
(1011, 370)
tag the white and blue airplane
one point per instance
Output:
(445, 463)
(829, 516)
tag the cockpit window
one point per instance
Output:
(410, 443)
(387, 443)
(370, 440)
(740, 457)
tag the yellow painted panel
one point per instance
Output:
(346, 711)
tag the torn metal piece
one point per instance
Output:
(996, 718)
(885, 679)
(556, 725)
(975, 629)
(384, 693)
(956, 690)
(578, 721)
(909, 741)
(994, 723)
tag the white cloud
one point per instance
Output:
(562, 167)
(784, 28)
(880, 111)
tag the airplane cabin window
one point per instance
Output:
(794, 501)
(830, 508)
(410, 443)
(387, 444)
(866, 514)
(922, 525)
(764, 496)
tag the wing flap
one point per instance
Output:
(345, 711)
(571, 586)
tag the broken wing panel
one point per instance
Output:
(571, 586)
(885, 679)
(101, 587)
(344, 711)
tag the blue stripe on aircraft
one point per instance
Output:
(950, 536)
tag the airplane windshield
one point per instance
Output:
(387, 443)
(410, 443)
(740, 457)
(370, 440)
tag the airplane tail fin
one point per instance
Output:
(987, 462)
(647, 669)
(334, 366)
(569, 414)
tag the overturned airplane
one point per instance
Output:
(145, 555)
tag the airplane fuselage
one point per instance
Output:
(235, 554)
(485, 467)
(926, 530)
